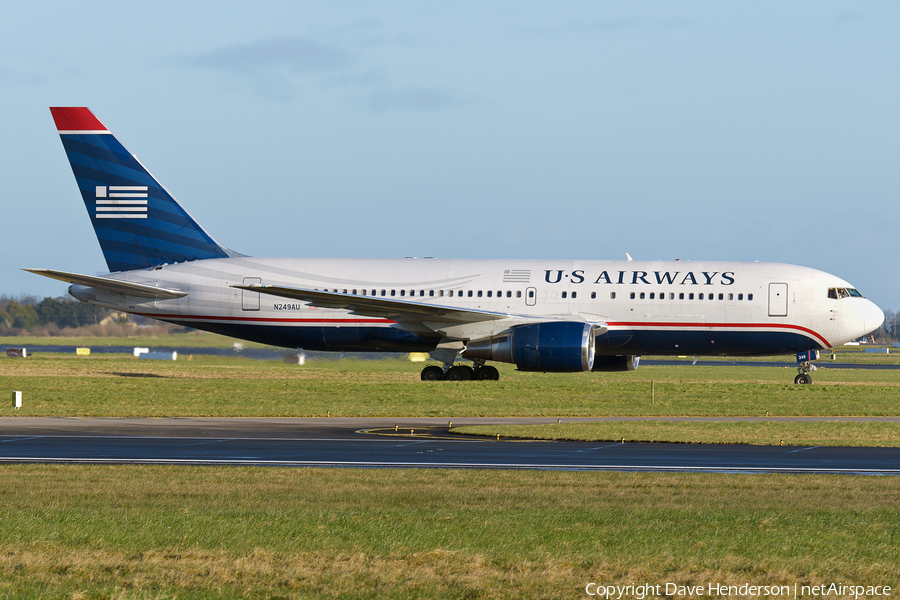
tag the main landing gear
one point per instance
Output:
(460, 373)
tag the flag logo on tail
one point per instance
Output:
(121, 202)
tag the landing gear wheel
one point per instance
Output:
(803, 379)
(487, 373)
(469, 371)
(459, 373)
(432, 373)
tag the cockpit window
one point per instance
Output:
(837, 293)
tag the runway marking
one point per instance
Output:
(601, 447)
(803, 449)
(37, 437)
(425, 431)
(364, 464)
(410, 444)
(204, 442)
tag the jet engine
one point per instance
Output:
(552, 347)
(605, 363)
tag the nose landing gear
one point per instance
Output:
(804, 366)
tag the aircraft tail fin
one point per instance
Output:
(137, 222)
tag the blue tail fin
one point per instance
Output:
(137, 222)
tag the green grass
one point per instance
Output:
(118, 386)
(194, 339)
(744, 432)
(188, 532)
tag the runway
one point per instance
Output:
(395, 443)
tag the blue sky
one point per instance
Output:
(762, 131)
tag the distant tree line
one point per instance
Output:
(891, 327)
(27, 312)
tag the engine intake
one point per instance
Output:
(552, 347)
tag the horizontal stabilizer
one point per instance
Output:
(111, 285)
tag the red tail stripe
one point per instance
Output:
(75, 119)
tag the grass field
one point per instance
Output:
(129, 532)
(194, 339)
(120, 385)
(190, 532)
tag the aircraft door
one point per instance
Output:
(250, 300)
(530, 296)
(778, 299)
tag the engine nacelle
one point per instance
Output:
(553, 347)
(608, 364)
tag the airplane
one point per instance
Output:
(540, 315)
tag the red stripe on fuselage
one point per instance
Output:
(611, 324)
(723, 326)
(260, 319)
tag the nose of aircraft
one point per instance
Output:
(873, 316)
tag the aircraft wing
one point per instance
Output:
(374, 306)
(111, 285)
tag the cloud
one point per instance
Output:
(274, 67)
(16, 77)
(296, 54)
(412, 98)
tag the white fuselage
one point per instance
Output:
(658, 307)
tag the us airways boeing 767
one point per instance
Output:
(541, 315)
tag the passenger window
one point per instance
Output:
(563, 294)
(450, 293)
(721, 296)
(430, 293)
(731, 296)
(632, 295)
(489, 293)
(479, 293)
(531, 294)
(574, 294)
(402, 293)
(612, 295)
(518, 294)
(749, 297)
(681, 296)
(470, 293)
(671, 295)
(691, 296)
(393, 292)
(740, 296)
(700, 297)
(642, 295)
(508, 293)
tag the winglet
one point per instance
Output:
(78, 119)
